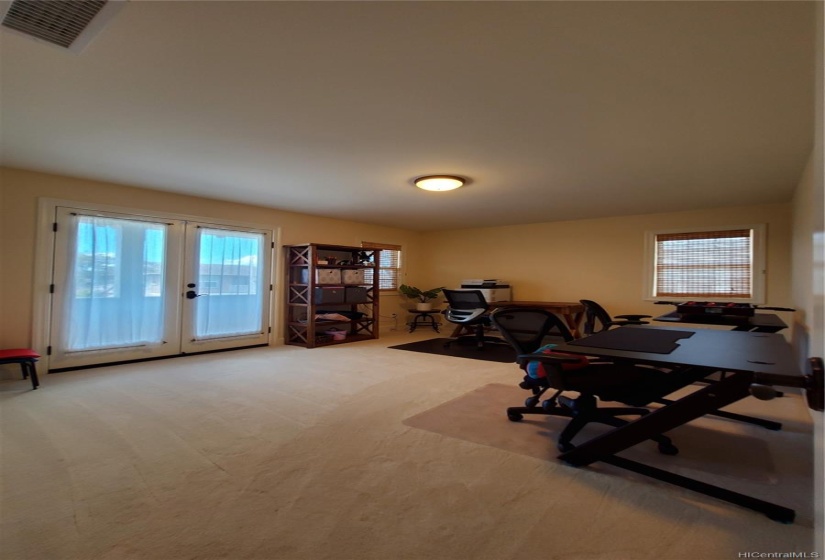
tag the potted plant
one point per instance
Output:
(423, 296)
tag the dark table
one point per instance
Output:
(759, 322)
(746, 357)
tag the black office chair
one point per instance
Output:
(469, 308)
(597, 319)
(527, 329)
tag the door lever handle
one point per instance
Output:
(192, 295)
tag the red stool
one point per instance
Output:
(26, 357)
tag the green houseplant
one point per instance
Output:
(423, 296)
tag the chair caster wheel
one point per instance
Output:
(531, 402)
(514, 416)
(668, 449)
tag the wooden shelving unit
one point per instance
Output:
(306, 296)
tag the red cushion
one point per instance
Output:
(19, 354)
(581, 361)
(536, 369)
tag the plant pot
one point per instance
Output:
(424, 306)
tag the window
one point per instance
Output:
(109, 252)
(229, 262)
(389, 266)
(713, 265)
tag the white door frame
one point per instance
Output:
(44, 262)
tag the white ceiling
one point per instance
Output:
(553, 110)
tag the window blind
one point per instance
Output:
(707, 264)
(389, 265)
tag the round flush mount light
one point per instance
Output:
(439, 182)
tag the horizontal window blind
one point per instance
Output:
(389, 265)
(706, 264)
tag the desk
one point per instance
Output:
(572, 313)
(748, 357)
(759, 322)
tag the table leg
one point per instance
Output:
(769, 424)
(573, 321)
(708, 399)
(773, 511)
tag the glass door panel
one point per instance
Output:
(114, 288)
(227, 292)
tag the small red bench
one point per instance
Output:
(26, 357)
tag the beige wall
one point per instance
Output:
(807, 293)
(807, 262)
(602, 259)
(809, 265)
(20, 191)
(562, 261)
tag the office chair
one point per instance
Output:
(525, 329)
(596, 317)
(468, 308)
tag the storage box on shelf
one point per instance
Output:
(330, 288)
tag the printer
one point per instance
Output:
(493, 290)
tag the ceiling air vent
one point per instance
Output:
(70, 24)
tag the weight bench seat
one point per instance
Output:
(26, 357)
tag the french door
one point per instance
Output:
(226, 301)
(128, 287)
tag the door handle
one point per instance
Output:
(192, 295)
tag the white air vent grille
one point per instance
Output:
(59, 22)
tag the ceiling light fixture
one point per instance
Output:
(439, 182)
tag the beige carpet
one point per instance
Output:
(287, 453)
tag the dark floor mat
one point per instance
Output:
(490, 352)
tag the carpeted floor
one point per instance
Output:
(361, 452)
(490, 352)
